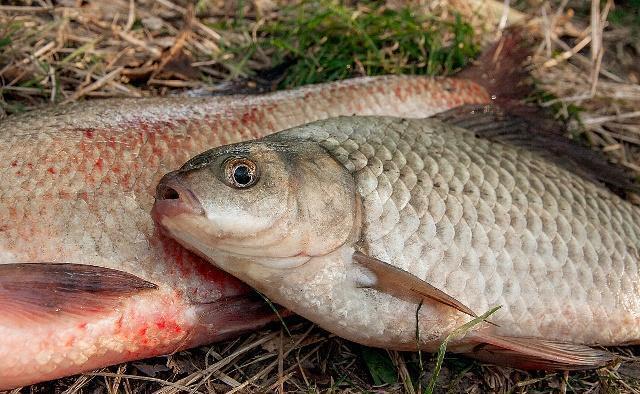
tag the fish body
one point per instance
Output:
(77, 188)
(374, 226)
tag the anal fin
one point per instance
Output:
(31, 292)
(534, 353)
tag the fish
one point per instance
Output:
(86, 278)
(395, 232)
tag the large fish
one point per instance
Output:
(85, 279)
(394, 232)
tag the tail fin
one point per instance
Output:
(503, 68)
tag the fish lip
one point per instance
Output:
(186, 201)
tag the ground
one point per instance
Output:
(585, 66)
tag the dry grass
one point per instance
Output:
(594, 79)
(586, 67)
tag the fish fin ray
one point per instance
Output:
(37, 291)
(534, 353)
(406, 286)
(532, 130)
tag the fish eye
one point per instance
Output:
(240, 172)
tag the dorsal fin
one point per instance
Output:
(35, 291)
(543, 137)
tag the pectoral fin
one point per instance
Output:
(34, 291)
(535, 353)
(404, 285)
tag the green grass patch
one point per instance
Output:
(328, 40)
(380, 366)
(626, 14)
(6, 34)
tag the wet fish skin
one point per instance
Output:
(488, 223)
(78, 186)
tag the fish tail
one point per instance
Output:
(503, 68)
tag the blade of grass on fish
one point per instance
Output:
(463, 329)
(275, 310)
(418, 345)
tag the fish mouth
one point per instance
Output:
(173, 198)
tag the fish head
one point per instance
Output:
(273, 203)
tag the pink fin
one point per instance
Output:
(232, 315)
(534, 353)
(404, 285)
(35, 291)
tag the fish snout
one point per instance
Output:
(174, 198)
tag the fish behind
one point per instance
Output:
(365, 224)
(86, 280)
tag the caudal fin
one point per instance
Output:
(503, 68)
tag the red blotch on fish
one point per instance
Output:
(207, 272)
(249, 117)
(168, 326)
(398, 92)
(142, 331)
(51, 170)
(126, 180)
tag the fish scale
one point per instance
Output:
(533, 231)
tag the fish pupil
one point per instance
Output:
(242, 175)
